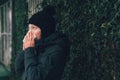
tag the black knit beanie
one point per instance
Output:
(44, 20)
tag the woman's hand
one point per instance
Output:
(28, 40)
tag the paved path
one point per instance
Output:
(4, 73)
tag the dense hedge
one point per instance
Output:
(93, 27)
(19, 30)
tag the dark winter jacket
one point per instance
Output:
(45, 61)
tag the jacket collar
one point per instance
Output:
(54, 38)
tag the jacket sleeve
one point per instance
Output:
(19, 63)
(49, 67)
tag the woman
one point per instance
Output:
(45, 51)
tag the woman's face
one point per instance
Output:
(35, 30)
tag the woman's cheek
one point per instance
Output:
(38, 34)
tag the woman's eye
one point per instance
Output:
(35, 28)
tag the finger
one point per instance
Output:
(27, 33)
(29, 36)
(24, 39)
(32, 36)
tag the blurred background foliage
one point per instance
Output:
(93, 27)
(3, 1)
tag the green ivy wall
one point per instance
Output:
(93, 27)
